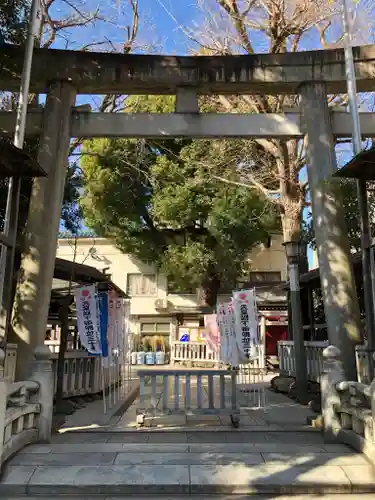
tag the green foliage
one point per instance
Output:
(13, 20)
(71, 216)
(350, 201)
(161, 201)
(14, 17)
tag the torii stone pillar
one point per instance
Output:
(335, 267)
(30, 312)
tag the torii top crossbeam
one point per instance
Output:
(103, 73)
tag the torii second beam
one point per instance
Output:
(188, 125)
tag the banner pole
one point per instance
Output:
(103, 384)
(127, 350)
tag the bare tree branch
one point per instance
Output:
(229, 27)
(253, 184)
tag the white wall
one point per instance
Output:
(270, 259)
(101, 254)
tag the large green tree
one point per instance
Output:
(161, 201)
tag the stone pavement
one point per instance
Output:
(273, 454)
(191, 463)
(92, 416)
(362, 496)
(278, 413)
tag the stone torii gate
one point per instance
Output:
(64, 74)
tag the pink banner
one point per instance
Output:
(212, 332)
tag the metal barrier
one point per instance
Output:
(193, 352)
(165, 398)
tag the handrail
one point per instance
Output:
(20, 409)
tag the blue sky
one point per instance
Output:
(157, 28)
(160, 20)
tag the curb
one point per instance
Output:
(181, 489)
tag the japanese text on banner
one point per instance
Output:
(87, 319)
(246, 323)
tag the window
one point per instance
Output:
(267, 276)
(179, 288)
(155, 329)
(141, 284)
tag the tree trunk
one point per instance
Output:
(207, 293)
(291, 225)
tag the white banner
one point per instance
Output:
(233, 347)
(115, 321)
(87, 319)
(228, 346)
(246, 324)
(224, 334)
(119, 331)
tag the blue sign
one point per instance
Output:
(103, 321)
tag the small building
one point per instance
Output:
(157, 310)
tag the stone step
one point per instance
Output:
(361, 496)
(186, 463)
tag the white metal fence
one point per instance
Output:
(84, 374)
(194, 352)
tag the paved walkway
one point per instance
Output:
(174, 463)
(92, 415)
(273, 454)
(279, 412)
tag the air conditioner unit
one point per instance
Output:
(161, 304)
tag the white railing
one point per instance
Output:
(314, 358)
(198, 354)
(54, 346)
(188, 392)
(83, 374)
(192, 352)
